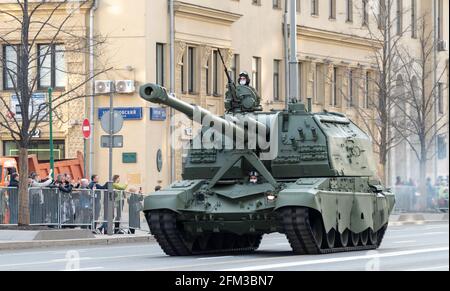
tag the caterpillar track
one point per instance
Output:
(175, 242)
(304, 230)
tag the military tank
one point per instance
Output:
(315, 182)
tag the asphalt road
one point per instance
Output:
(406, 248)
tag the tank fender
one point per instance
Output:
(294, 198)
(174, 197)
(164, 200)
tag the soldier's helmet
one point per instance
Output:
(244, 78)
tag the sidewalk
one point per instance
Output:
(417, 218)
(144, 237)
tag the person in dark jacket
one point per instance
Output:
(14, 183)
(95, 184)
(135, 207)
(65, 189)
(98, 194)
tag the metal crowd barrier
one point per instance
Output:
(405, 198)
(80, 208)
(408, 200)
(9, 205)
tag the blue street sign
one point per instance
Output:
(128, 113)
(158, 114)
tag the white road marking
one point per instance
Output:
(416, 235)
(430, 268)
(336, 260)
(436, 226)
(404, 242)
(84, 269)
(282, 244)
(65, 260)
(215, 258)
(68, 259)
(106, 247)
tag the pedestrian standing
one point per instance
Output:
(119, 195)
(99, 195)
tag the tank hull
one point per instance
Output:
(306, 210)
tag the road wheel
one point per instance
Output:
(373, 237)
(202, 243)
(364, 237)
(354, 239)
(317, 229)
(344, 238)
(217, 241)
(330, 239)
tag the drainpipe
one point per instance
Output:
(435, 86)
(293, 63)
(172, 89)
(286, 54)
(91, 76)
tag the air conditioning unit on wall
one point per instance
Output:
(125, 86)
(103, 87)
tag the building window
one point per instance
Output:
(414, 18)
(37, 105)
(300, 81)
(365, 12)
(39, 148)
(382, 14)
(160, 63)
(298, 6)
(440, 22)
(256, 73)
(182, 75)
(51, 66)
(216, 74)
(207, 81)
(399, 17)
(349, 10)
(276, 80)
(314, 7)
(256, 2)
(334, 86)
(276, 4)
(332, 9)
(234, 68)
(351, 86)
(441, 98)
(11, 58)
(442, 147)
(366, 90)
(320, 84)
(191, 69)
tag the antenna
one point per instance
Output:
(231, 84)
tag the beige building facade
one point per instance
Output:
(63, 70)
(336, 65)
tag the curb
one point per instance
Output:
(418, 219)
(7, 246)
(418, 222)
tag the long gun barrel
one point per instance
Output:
(157, 94)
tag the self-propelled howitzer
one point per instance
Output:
(314, 181)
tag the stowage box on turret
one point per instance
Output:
(315, 181)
